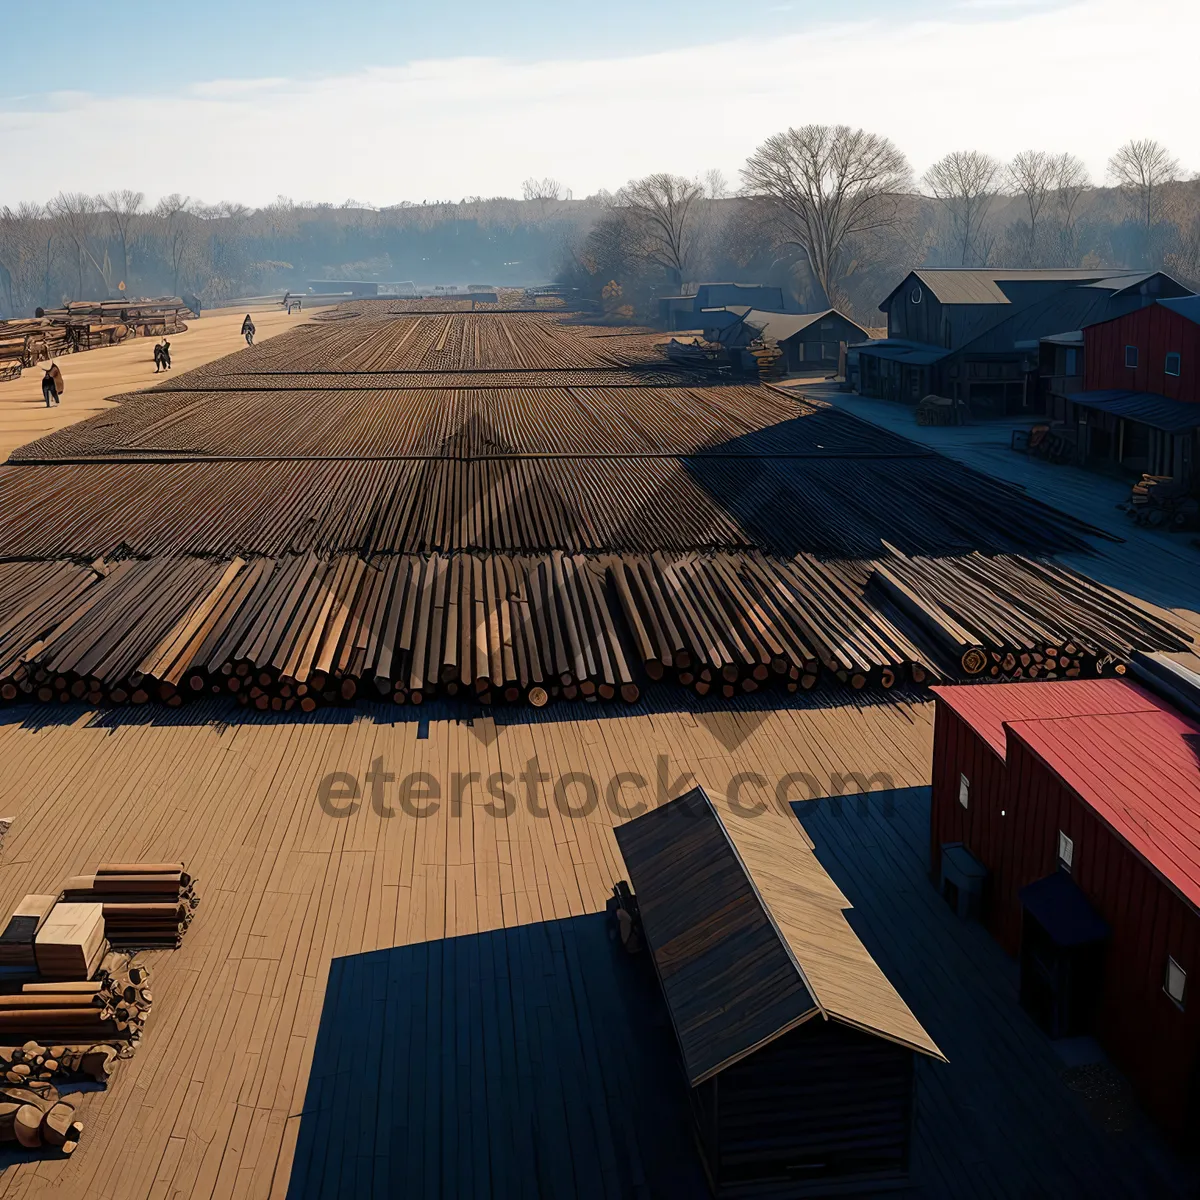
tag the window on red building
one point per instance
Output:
(1176, 982)
(1131, 356)
(1066, 852)
(1172, 364)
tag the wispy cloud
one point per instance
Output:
(443, 129)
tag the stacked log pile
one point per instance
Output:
(28, 341)
(83, 1026)
(1010, 618)
(295, 633)
(35, 1116)
(146, 906)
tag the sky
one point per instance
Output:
(330, 100)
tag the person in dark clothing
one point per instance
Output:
(158, 357)
(166, 354)
(248, 330)
(52, 385)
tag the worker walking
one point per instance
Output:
(52, 385)
(166, 354)
(158, 357)
(248, 330)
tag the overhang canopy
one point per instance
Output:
(1159, 412)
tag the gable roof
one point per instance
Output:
(748, 934)
(782, 326)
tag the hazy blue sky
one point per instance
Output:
(327, 100)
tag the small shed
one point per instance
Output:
(809, 341)
(797, 1051)
(1081, 799)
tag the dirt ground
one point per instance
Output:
(91, 377)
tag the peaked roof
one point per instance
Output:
(983, 285)
(748, 934)
(782, 326)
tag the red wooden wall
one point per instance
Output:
(1150, 1039)
(1155, 331)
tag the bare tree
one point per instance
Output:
(661, 210)
(965, 181)
(75, 215)
(716, 185)
(180, 234)
(1141, 167)
(826, 185)
(1031, 176)
(543, 189)
(25, 236)
(1070, 182)
(123, 208)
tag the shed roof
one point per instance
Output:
(748, 934)
(1140, 773)
(901, 350)
(986, 708)
(1159, 412)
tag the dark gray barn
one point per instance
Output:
(810, 341)
(973, 333)
(797, 1051)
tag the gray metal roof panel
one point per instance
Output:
(1159, 412)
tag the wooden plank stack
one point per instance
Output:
(143, 905)
(70, 943)
(17, 955)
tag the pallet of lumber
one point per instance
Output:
(17, 940)
(70, 943)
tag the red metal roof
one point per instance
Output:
(986, 708)
(1140, 772)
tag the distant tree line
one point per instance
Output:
(835, 217)
(831, 214)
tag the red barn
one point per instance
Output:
(1081, 799)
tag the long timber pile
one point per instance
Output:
(506, 508)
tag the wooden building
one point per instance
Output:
(1081, 801)
(1127, 390)
(797, 1051)
(973, 334)
(809, 341)
(683, 312)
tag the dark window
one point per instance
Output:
(1172, 364)
(1072, 364)
(1176, 982)
(1131, 356)
(1066, 852)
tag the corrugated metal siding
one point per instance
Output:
(1155, 331)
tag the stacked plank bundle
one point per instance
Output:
(146, 906)
(36, 1115)
(1010, 618)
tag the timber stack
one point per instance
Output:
(145, 906)
(1009, 618)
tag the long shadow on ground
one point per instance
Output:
(534, 1061)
